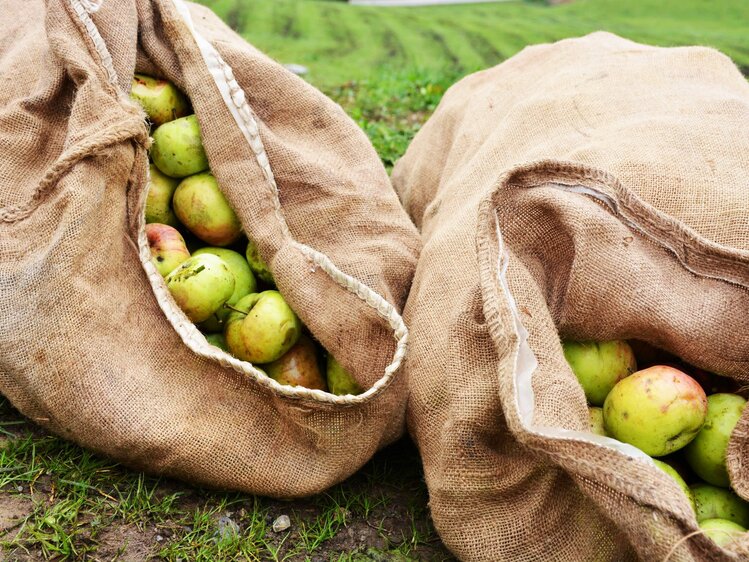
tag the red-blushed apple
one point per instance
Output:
(203, 209)
(298, 366)
(177, 148)
(598, 366)
(160, 99)
(659, 410)
(200, 285)
(167, 246)
(340, 382)
(707, 453)
(261, 327)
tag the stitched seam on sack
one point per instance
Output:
(383, 308)
(692, 241)
(89, 147)
(83, 13)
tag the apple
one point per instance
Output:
(298, 366)
(340, 382)
(722, 531)
(160, 99)
(659, 410)
(218, 340)
(200, 285)
(177, 149)
(167, 246)
(159, 198)
(707, 453)
(598, 366)
(718, 503)
(596, 421)
(668, 469)
(261, 327)
(203, 209)
(258, 266)
(244, 284)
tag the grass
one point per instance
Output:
(388, 68)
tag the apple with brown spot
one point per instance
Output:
(659, 410)
(168, 249)
(298, 366)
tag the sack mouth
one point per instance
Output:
(696, 254)
(236, 102)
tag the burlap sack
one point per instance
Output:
(597, 189)
(91, 344)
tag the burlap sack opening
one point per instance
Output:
(613, 238)
(119, 368)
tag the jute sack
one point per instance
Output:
(590, 189)
(92, 346)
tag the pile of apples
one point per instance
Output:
(223, 285)
(666, 413)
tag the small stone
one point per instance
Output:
(281, 523)
(227, 529)
(19, 488)
(159, 538)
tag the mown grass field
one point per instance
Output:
(388, 68)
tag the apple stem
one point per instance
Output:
(230, 307)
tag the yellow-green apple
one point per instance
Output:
(244, 284)
(261, 327)
(668, 469)
(598, 366)
(159, 198)
(200, 286)
(718, 503)
(177, 149)
(258, 266)
(203, 209)
(722, 531)
(298, 366)
(596, 420)
(707, 453)
(167, 246)
(160, 99)
(659, 410)
(218, 340)
(340, 382)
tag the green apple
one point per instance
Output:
(177, 149)
(718, 503)
(244, 283)
(259, 267)
(159, 198)
(200, 285)
(722, 531)
(707, 453)
(160, 99)
(298, 366)
(668, 469)
(596, 421)
(218, 340)
(261, 327)
(167, 246)
(659, 410)
(203, 209)
(598, 366)
(340, 382)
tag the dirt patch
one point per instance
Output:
(13, 510)
(126, 543)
